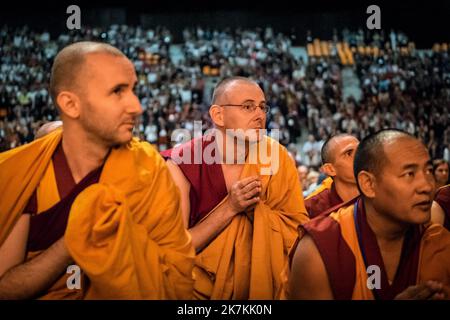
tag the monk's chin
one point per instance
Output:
(117, 143)
(421, 217)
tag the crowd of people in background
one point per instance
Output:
(410, 92)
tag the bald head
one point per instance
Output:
(69, 62)
(370, 155)
(222, 87)
(329, 148)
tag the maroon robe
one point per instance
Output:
(49, 226)
(340, 262)
(322, 201)
(443, 199)
(208, 187)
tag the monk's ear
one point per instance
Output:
(217, 116)
(328, 169)
(69, 104)
(366, 182)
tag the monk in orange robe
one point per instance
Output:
(337, 162)
(383, 245)
(90, 196)
(243, 215)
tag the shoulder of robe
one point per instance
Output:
(438, 233)
(145, 149)
(35, 147)
(442, 189)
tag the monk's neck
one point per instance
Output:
(346, 191)
(387, 230)
(82, 154)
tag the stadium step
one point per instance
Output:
(350, 84)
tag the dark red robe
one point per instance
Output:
(208, 187)
(340, 262)
(49, 226)
(322, 201)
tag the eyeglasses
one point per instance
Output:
(249, 106)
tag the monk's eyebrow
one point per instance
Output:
(123, 85)
(414, 166)
(120, 86)
(250, 100)
(410, 166)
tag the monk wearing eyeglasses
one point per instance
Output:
(241, 209)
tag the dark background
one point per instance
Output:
(424, 22)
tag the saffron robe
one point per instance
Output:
(326, 184)
(348, 247)
(246, 259)
(125, 232)
(49, 207)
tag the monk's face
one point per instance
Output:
(441, 173)
(405, 187)
(239, 93)
(344, 149)
(109, 107)
(302, 172)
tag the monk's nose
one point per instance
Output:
(134, 106)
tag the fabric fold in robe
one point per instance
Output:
(126, 232)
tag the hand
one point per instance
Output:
(244, 194)
(430, 290)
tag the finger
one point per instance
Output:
(437, 296)
(249, 195)
(252, 193)
(423, 290)
(250, 202)
(245, 181)
(411, 292)
(423, 294)
(249, 187)
(434, 285)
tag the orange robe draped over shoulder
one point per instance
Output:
(425, 255)
(125, 232)
(245, 260)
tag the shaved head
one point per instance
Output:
(69, 62)
(327, 152)
(222, 87)
(370, 155)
